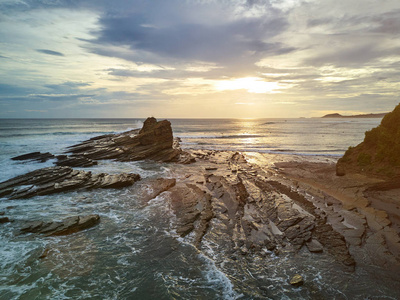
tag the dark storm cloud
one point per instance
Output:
(189, 41)
(50, 52)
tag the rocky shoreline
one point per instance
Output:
(246, 203)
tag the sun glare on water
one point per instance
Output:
(251, 84)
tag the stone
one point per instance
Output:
(314, 246)
(297, 280)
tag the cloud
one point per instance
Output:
(171, 56)
(150, 38)
(50, 52)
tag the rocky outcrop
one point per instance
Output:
(193, 210)
(154, 141)
(61, 179)
(62, 160)
(234, 205)
(37, 156)
(150, 189)
(378, 154)
(74, 161)
(64, 227)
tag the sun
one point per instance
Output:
(251, 84)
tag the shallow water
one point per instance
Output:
(134, 253)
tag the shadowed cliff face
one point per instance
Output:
(379, 153)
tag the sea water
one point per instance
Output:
(134, 252)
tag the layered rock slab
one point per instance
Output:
(52, 180)
(154, 141)
(64, 227)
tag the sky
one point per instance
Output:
(198, 58)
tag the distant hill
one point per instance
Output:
(336, 115)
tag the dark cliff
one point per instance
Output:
(379, 153)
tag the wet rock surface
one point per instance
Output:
(64, 227)
(225, 202)
(297, 280)
(154, 141)
(37, 156)
(74, 161)
(244, 212)
(61, 179)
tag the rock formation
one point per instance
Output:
(241, 210)
(64, 227)
(154, 141)
(379, 154)
(37, 156)
(74, 161)
(62, 160)
(61, 179)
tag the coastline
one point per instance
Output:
(371, 234)
(257, 218)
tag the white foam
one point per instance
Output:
(218, 278)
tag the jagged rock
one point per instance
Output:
(378, 154)
(4, 220)
(74, 161)
(193, 210)
(154, 141)
(38, 156)
(155, 187)
(297, 280)
(64, 227)
(61, 179)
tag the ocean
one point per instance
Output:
(133, 253)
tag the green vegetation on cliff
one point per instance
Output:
(379, 153)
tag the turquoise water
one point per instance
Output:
(134, 253)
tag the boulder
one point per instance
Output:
(297, 280)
